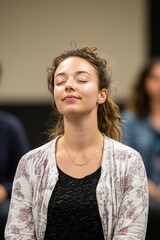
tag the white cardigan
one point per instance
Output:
(122, 193)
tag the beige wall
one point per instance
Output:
(33, 32)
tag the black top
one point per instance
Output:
(73, 211)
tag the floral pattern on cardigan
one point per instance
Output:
(122, 193)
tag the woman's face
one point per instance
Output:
(153, 83)
(76, 87)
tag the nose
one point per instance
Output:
(70, 84)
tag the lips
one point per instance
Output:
(70, 97)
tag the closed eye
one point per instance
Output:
(61, 80)
(82, 81)
(60, 83)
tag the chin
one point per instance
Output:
(71, 113)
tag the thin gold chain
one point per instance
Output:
(82, 164)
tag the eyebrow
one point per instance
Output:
(77, 73)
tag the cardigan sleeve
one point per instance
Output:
(133, 211)
(20, 224)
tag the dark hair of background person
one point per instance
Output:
(139, 101)
(108, 112)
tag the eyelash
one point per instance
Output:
(60, 83)
(82, 81)
(78, 80)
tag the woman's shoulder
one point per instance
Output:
(121, 149)
(122, 158)
(37, 161)
(41, 152)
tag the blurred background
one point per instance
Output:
(32, 33)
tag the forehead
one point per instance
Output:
(74, 64)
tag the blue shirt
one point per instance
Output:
(140, 135)
(13, 144)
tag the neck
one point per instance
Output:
(81, 133)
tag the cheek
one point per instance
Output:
(91, 90)
(57, 97)
(57, 93)
(91, 95)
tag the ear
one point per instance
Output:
(102, 96)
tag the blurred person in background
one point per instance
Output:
(84, 183)
(141, 131)
(13, 144)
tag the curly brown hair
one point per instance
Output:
(139, 101)
(108, 112)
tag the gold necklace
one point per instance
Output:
(82, 164)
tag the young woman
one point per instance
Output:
(142, 132)
(83, 184)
